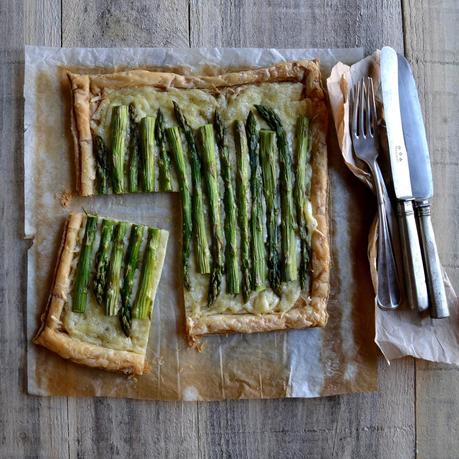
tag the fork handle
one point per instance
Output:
(412, 258)
(388, 292)
(394, 232)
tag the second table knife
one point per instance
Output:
(422, 185)
(414, 269)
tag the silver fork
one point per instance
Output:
(363, 133)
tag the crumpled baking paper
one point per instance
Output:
(301, 363)
(402, 332)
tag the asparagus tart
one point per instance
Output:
(246, 152)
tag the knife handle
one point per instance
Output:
(414, 268)
(439, 303)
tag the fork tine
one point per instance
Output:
(368, 110)
(374, 113)
(355, 106)
(351, 107)
(362, 107)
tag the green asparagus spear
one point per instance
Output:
(210, 177)
(301, 192)
(231, 249)
(103, 260)
(80, 290)
(113, 285)
(102, 168)
(164, 162)
(147, 136)
(256, 221)
(132, 259)
(289, 265)
(199, 226)
(175, 143)
(119, 128)
(134, 151)
(143, 304)
(242, 185)
(268, 164)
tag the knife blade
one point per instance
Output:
(422, 184)
(414, 269)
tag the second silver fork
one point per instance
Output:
(364, 140)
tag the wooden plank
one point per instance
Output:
(432, 48)
(379, 425)
(358, 425)
(42, 22)
(437, 407)
(124, 428)
(296, 23)
(29, 426)
(131, 428)
(100, 23)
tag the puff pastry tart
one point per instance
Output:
(102, 297)
(246, 150)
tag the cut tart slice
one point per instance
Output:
(102, 298)
(247, 152)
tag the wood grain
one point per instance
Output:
(108, 23)
(29, 426)
(131, 428)
(296, 23)
(432, 48)
(42, 22)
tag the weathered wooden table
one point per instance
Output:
(415, 409)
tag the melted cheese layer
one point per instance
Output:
(198, 107)
(93, 326)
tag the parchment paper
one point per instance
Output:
(302, 363)
(401, 332)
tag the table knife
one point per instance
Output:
(416, 290)
(422, 185)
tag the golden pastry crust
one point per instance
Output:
(308, 312)
(81, 131)
(285, 71)
(300, 316)
(52, 334)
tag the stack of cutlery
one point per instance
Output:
(413, 243)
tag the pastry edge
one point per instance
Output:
(54, 339)
(296, 318)
(84, 87)
(81, 132)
